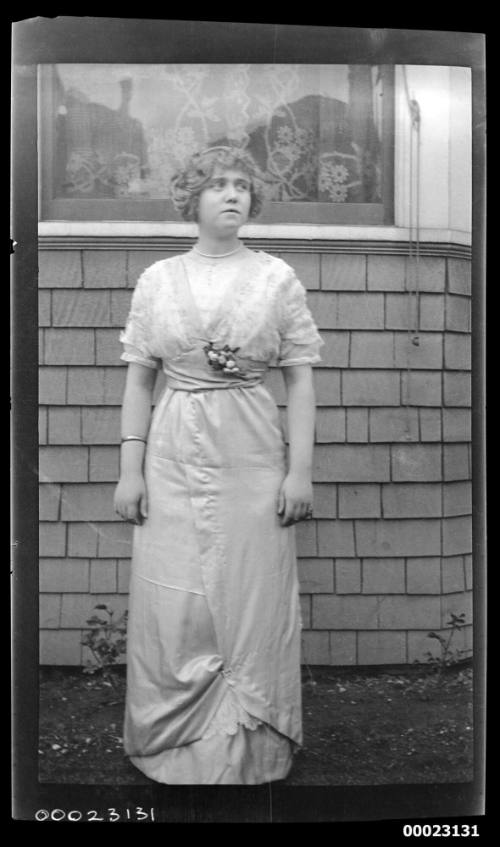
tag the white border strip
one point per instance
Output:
(145, 229)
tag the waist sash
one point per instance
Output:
(192, 373)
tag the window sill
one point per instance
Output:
(148, 229)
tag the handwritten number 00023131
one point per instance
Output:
(111, 815)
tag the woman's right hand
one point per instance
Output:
(131, 498)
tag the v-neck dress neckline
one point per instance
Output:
(215, 328)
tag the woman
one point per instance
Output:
(213, 677)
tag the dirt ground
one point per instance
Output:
(360, 728)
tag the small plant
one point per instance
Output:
(106, 640)
(447, 656)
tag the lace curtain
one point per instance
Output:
(314, 130)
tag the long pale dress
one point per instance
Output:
(213, 663)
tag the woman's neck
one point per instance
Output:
(217, 247)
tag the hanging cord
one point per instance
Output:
(414, 211)
(413, 320)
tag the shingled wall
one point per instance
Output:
(387, 557)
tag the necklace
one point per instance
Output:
(217, 255)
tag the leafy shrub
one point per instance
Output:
(447, 657)
(106, 639)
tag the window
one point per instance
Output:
(112, 136)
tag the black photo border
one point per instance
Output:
(132, 40)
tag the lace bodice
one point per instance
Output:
(250, 300)
(209, 279)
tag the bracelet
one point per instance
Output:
(134, 438)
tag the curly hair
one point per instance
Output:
(188, 183)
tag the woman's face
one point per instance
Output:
(224, 204)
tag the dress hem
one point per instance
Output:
(218, 760)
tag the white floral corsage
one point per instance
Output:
(223, 359)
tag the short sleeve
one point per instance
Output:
(137, 333)
(300, 341)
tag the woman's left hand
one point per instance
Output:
(295, 499)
